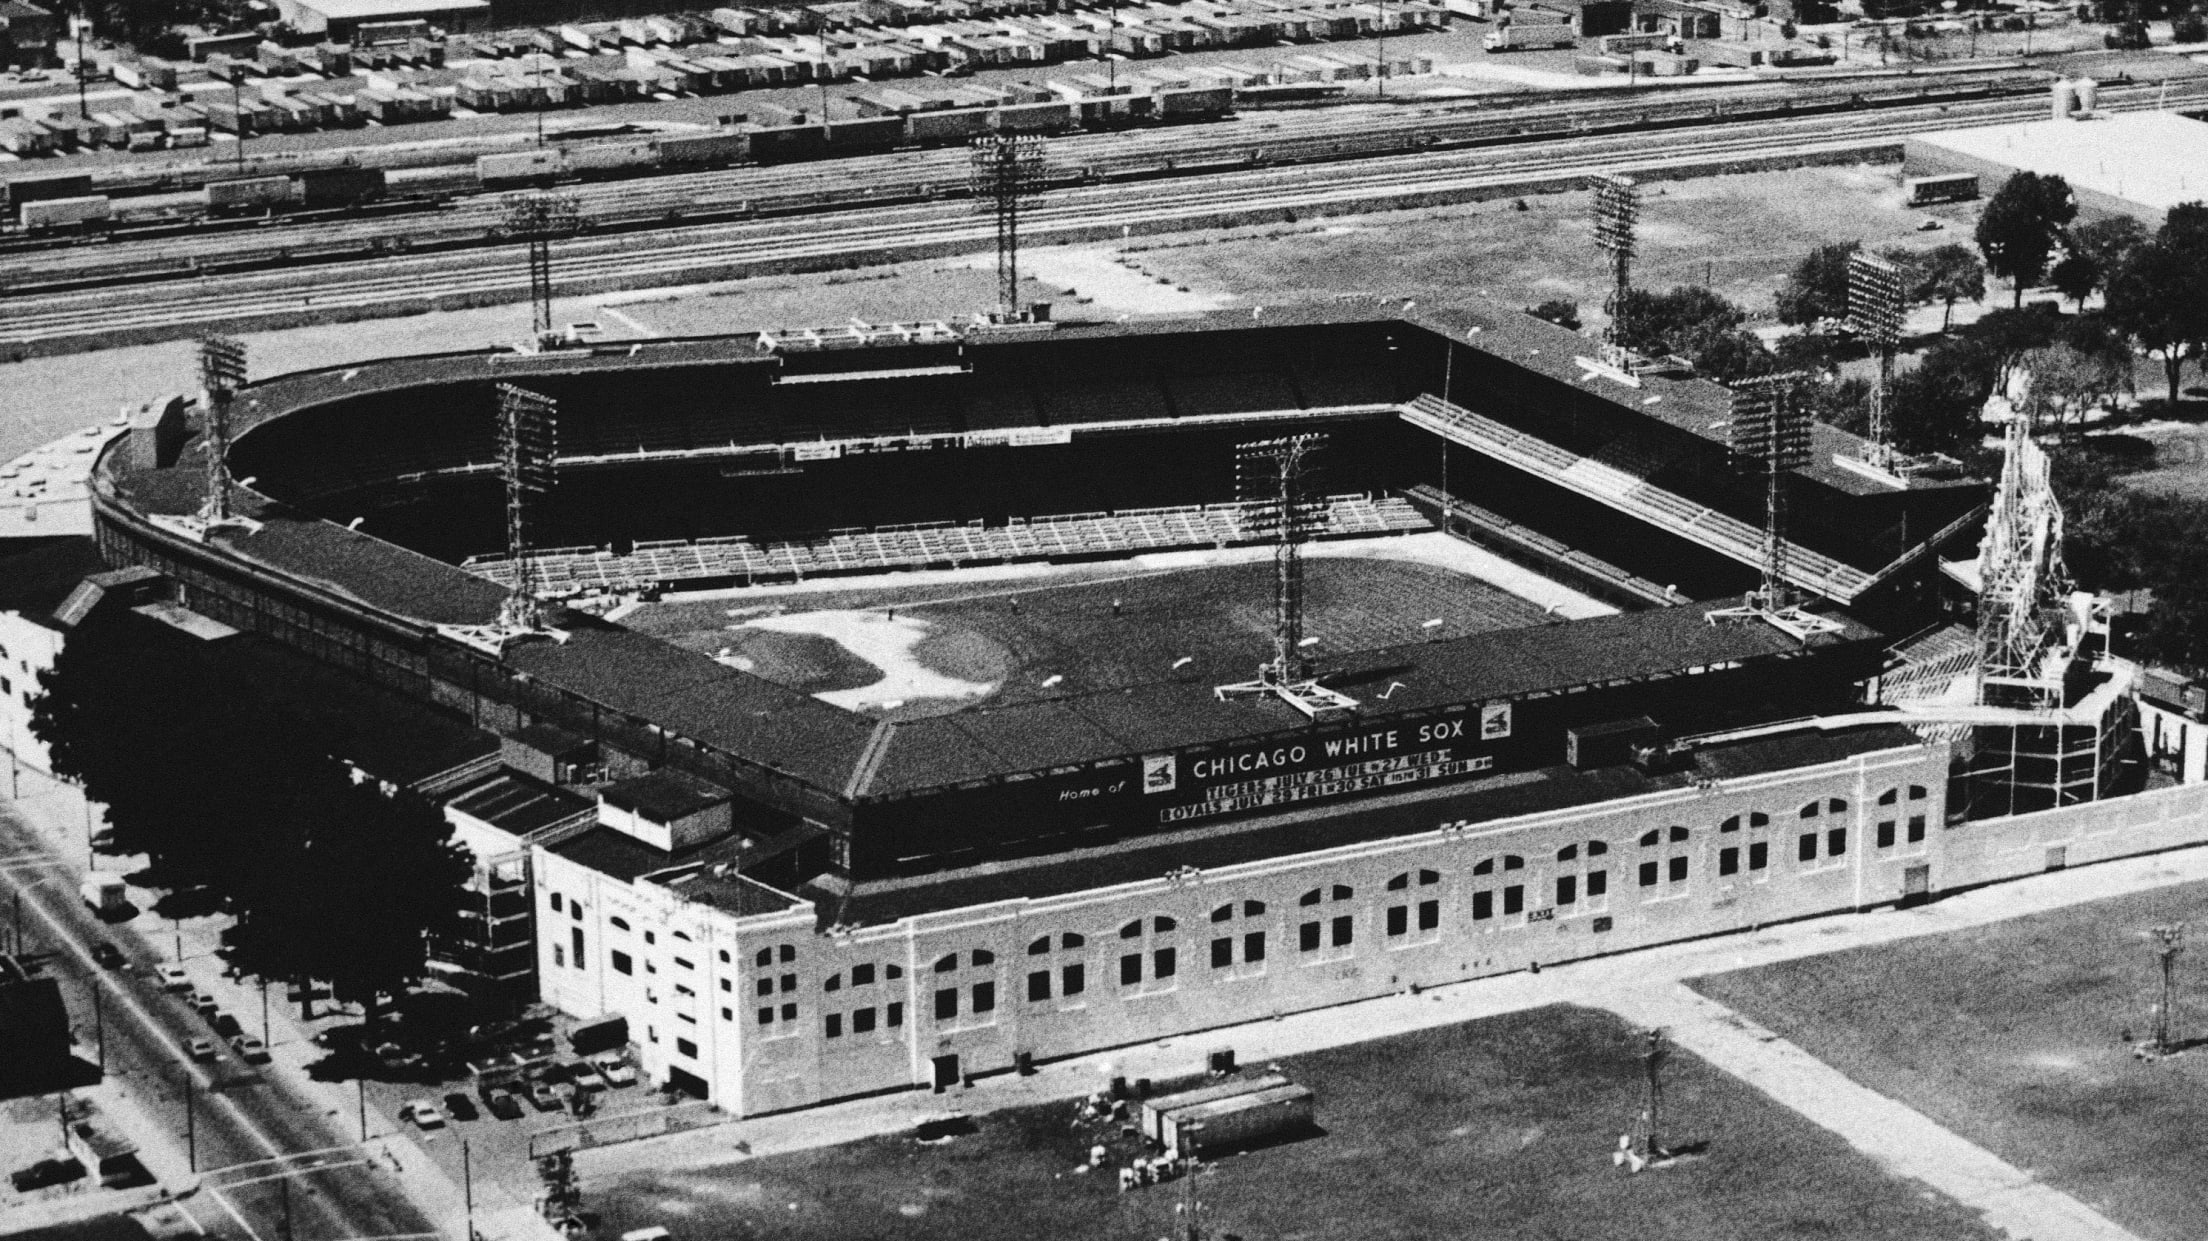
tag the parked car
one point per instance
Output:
(503, 1104)
(203, 1050)
(423, 1113)
(205, 1005)
(586, 1076)
(250, 1049)
(173, 978)
(56, 1171)
(616, 1071)
(226, 1025)
(106, 955)
(545, 1097)
(460, 1106)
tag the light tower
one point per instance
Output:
(528, 448)
(1617, 215)
(1769, 435)
(1874, 314)
(537, 220)
(1276, 504)
(221, 374)
(1003, 168)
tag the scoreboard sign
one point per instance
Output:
(1280, 773)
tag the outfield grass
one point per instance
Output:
(2009, 1035)
(1100, 628)
(1500, 1128)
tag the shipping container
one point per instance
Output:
(787, 142)
(1035, 118)
(610, 157)
(871, 134)
(956, 125)
(55, 213)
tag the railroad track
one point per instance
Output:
(647, 202)
(403, 284)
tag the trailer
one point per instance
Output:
(1154, 1110)
(1240, 1120)
(519, 168)
(105, 894)
(343, 186)
(16, 191)
(1516, 38)
(1950, 187)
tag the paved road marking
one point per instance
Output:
(224, 1203)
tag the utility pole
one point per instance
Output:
(2169, 942)
(467, 1186)
(191, 1124)
(362, 1084)
(1653, 1055)
(1382, 55)
(264, 1012)
(284, 1225)
(1191, 1229)
(177, 930)
(99, 1022)
(84, 108)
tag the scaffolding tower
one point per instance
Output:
(1271, 484)
(1769, 434)
(1004, 168)
(528, 454)
(537, 220)
(1874, 314)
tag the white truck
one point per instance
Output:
(1513, 37)
(105, 895)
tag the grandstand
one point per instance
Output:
(737, 560)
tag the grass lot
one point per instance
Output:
(1021, 630)
(2008, 1035)
(1494, 1129)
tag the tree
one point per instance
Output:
(2155, 298)
(1844, 403)
(1732, 355)
(1952, 274)
(1817, 288)
(2108, 241)
(2189, 28)
(2022, 224)
(1936, 404)
(229, 782)
(2067, 380)
(2076, 277)
(1678, 321)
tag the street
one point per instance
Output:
(273, 1166)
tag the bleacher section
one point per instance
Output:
(1069, 536)
(1529, 546)
(1632, 494)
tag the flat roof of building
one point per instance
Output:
(515, 802)
(36, 575)
(2154, 159)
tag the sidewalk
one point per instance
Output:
(1641, 986)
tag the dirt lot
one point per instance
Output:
(1738, 234)
(1494, 1129)
(2010, 1036)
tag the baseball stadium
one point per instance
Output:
(956, 698)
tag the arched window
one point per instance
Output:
(1834, 839)
(619, 923)
(1424, 903)
(1243, 953)
(1149, 958)
(1329, 935)
(1758, 851)
(978, 988)
(1665, 869)
(1596, 880)
(1483, 896)
(1072, 976)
